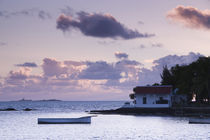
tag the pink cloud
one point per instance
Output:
(190, 17)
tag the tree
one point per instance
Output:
(190, 79)
(156, 84)
(201, 79)
(166, 76)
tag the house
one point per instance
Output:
(178, 100)
(152, 96)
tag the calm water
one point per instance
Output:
(23, 125)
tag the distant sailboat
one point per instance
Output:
(23, 100)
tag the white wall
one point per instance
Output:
(151, 100)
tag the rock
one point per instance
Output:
(8, 109)
(27, 109)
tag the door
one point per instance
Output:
(144, 100)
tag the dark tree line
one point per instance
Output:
(190, 79)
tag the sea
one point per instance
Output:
(22, 125)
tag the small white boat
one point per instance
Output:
(80, 120)
(199, 120)
(128, 105)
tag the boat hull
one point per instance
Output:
(199, 120)
(81, 120)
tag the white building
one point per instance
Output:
(152, 96)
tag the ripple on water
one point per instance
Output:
(23, 125)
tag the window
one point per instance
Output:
(162, 101)
(144, 100)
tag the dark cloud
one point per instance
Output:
(100, 70)
(127, 62)
(157, 45)
(140, 22)
(43, 15)
(74, 63)
(107, 43)
(67, 11)
(98, 25)
(27, 12)
(2, 44)
(142, 46)
(190, 17)
(120, 55)
(27, 64)
(150, 46)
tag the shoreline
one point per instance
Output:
(174, 111)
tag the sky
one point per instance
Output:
(88, 50)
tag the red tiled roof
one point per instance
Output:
(153, 90)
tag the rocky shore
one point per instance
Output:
(8, 109)
(175, 111)
(13, 109)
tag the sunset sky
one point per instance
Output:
(95, 49)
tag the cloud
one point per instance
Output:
(43, 14)
(140, 22)
(82, 80)
(72, 79)
(62, 70)
(126, 62)
(100, 70)
(157, 45)
(27, 64)
(26, 12)
(171, 60)
(190, 17)
(67, 11)
(142, 46)
(52, 67)
(121, 55)
(3, 44)
(20, 75)
(98, 25)
(17, 77)
(107, 43)
(151, 76)
(149, 46)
